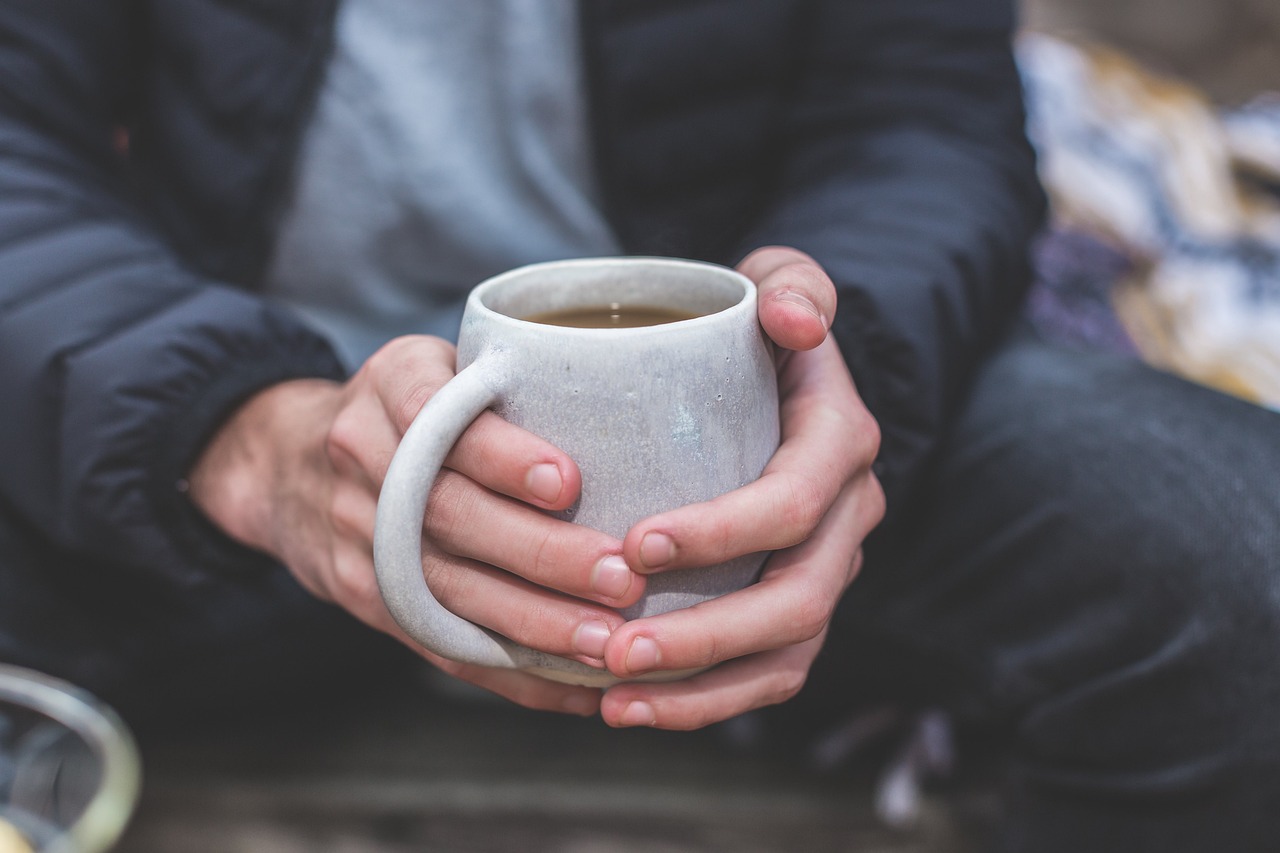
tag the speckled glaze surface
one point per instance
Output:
(656, 417)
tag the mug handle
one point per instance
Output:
(397, 539)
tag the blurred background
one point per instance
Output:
(1228, 48)
(1157, 123)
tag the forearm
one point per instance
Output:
(117, 362)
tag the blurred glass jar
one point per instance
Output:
(69, 768)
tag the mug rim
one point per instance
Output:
(746, 300)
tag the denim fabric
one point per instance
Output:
(1094, 564)
(157, 652)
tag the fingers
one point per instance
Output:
(796, 297)
(734, 688)
(828, 439)
(497, 561)
(355, 585)
(524, 689)
(387, 394)
(529, 616)
(466, 515)
(322, 521)
(468, 521)
(781, 629)
(517, 463)
(792, 603)
(361, 442)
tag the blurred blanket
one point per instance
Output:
(1166, 218)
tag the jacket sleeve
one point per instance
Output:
(116, 362)
(908, 176)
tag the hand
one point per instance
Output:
(813, 505)
(296, 473)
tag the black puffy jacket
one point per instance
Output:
(145, 144)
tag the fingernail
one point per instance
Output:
(656, 550)
(611, 577)
(643, 655)
(544, 483)
(790, 297)
(590, 639)
(579, 703)
(638, 714)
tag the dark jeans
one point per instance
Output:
(162, 654)
(1093, 564)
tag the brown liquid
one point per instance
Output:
(613, 316)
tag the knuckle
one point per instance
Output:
(408, 371)
(348, 514)
(694, 721)
(767, 258)
(406, 405)
(681, 716)
(481, 443)
(449, 506)
(545, 558)
(855, 565)
(811, 615)
(447, 586)
(864, 430)
(721, 535)
(355, 586)
(406, 349)
(388, 354)
(802, 508)
(529, 626)
(321, 588)
(805, 273)
(869, 429)
(788, 685)
(704, 650)
(343, 439)
(876, 500)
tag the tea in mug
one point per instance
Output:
(612, 316)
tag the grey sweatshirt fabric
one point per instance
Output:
(450, 142)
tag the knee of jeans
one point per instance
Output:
(1171, 684)
(1135, 516)
(1162, 537)
(1166, 488)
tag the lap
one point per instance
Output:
(152, 648)
(1088, 492)
(1093, 561)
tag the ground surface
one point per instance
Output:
(408, 772)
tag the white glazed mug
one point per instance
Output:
(656, 417)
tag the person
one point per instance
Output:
(222, 225)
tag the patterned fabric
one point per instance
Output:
(1165, 211)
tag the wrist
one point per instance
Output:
(237, 480)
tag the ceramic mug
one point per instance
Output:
(655, 416)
